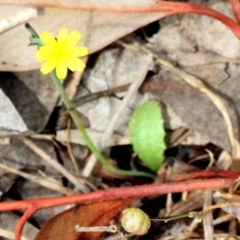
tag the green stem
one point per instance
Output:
(34, 39)
(31, 30)
(76, 119)
(190, 215)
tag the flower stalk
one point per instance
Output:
(78, 122)
(57, 58)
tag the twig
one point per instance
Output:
(97, 95)
(208, 218)
(110, 228)
(208, 173)
(48, 137)
(222, 205)
(39, 180)
(55, 164)
(69, 149)
(9, 235)
(73, 84)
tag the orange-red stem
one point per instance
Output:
(33, 205)
(166, 7)
(116, 193)
(236, 9)
(209, 173)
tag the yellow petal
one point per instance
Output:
(73, 38)
(62, 35)
(70, 63)
(80, 64)
(47, 38)
(80, 51)
(62, 53)
(61, 71)
(47, 67)
(44, 53)
(39, 56)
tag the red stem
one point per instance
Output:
(212, 172)
(33, 205)
(236, 9)
(167, 7)
(116, 193)
(183, 8)
(21, 222)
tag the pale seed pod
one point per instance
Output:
(135, 221)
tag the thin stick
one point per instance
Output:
(55, 164)
(97, 95)
(39, 180)
(69, 149)
(9, 235)
(208, 218)
(110, 228)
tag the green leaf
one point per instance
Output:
(147, 134)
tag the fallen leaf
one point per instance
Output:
(33, 95)
(10, 123)
(62, 226)
(98, 28)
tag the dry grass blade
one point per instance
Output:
(55, 164)
(73, 84)
(69, 149)
(39, 180)
(208, 218)
(9, 235)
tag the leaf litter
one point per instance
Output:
(190, 65)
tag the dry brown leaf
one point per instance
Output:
(62, 226)
(98, 28)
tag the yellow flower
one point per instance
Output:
(61, 53)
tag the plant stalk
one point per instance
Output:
(77, 120)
